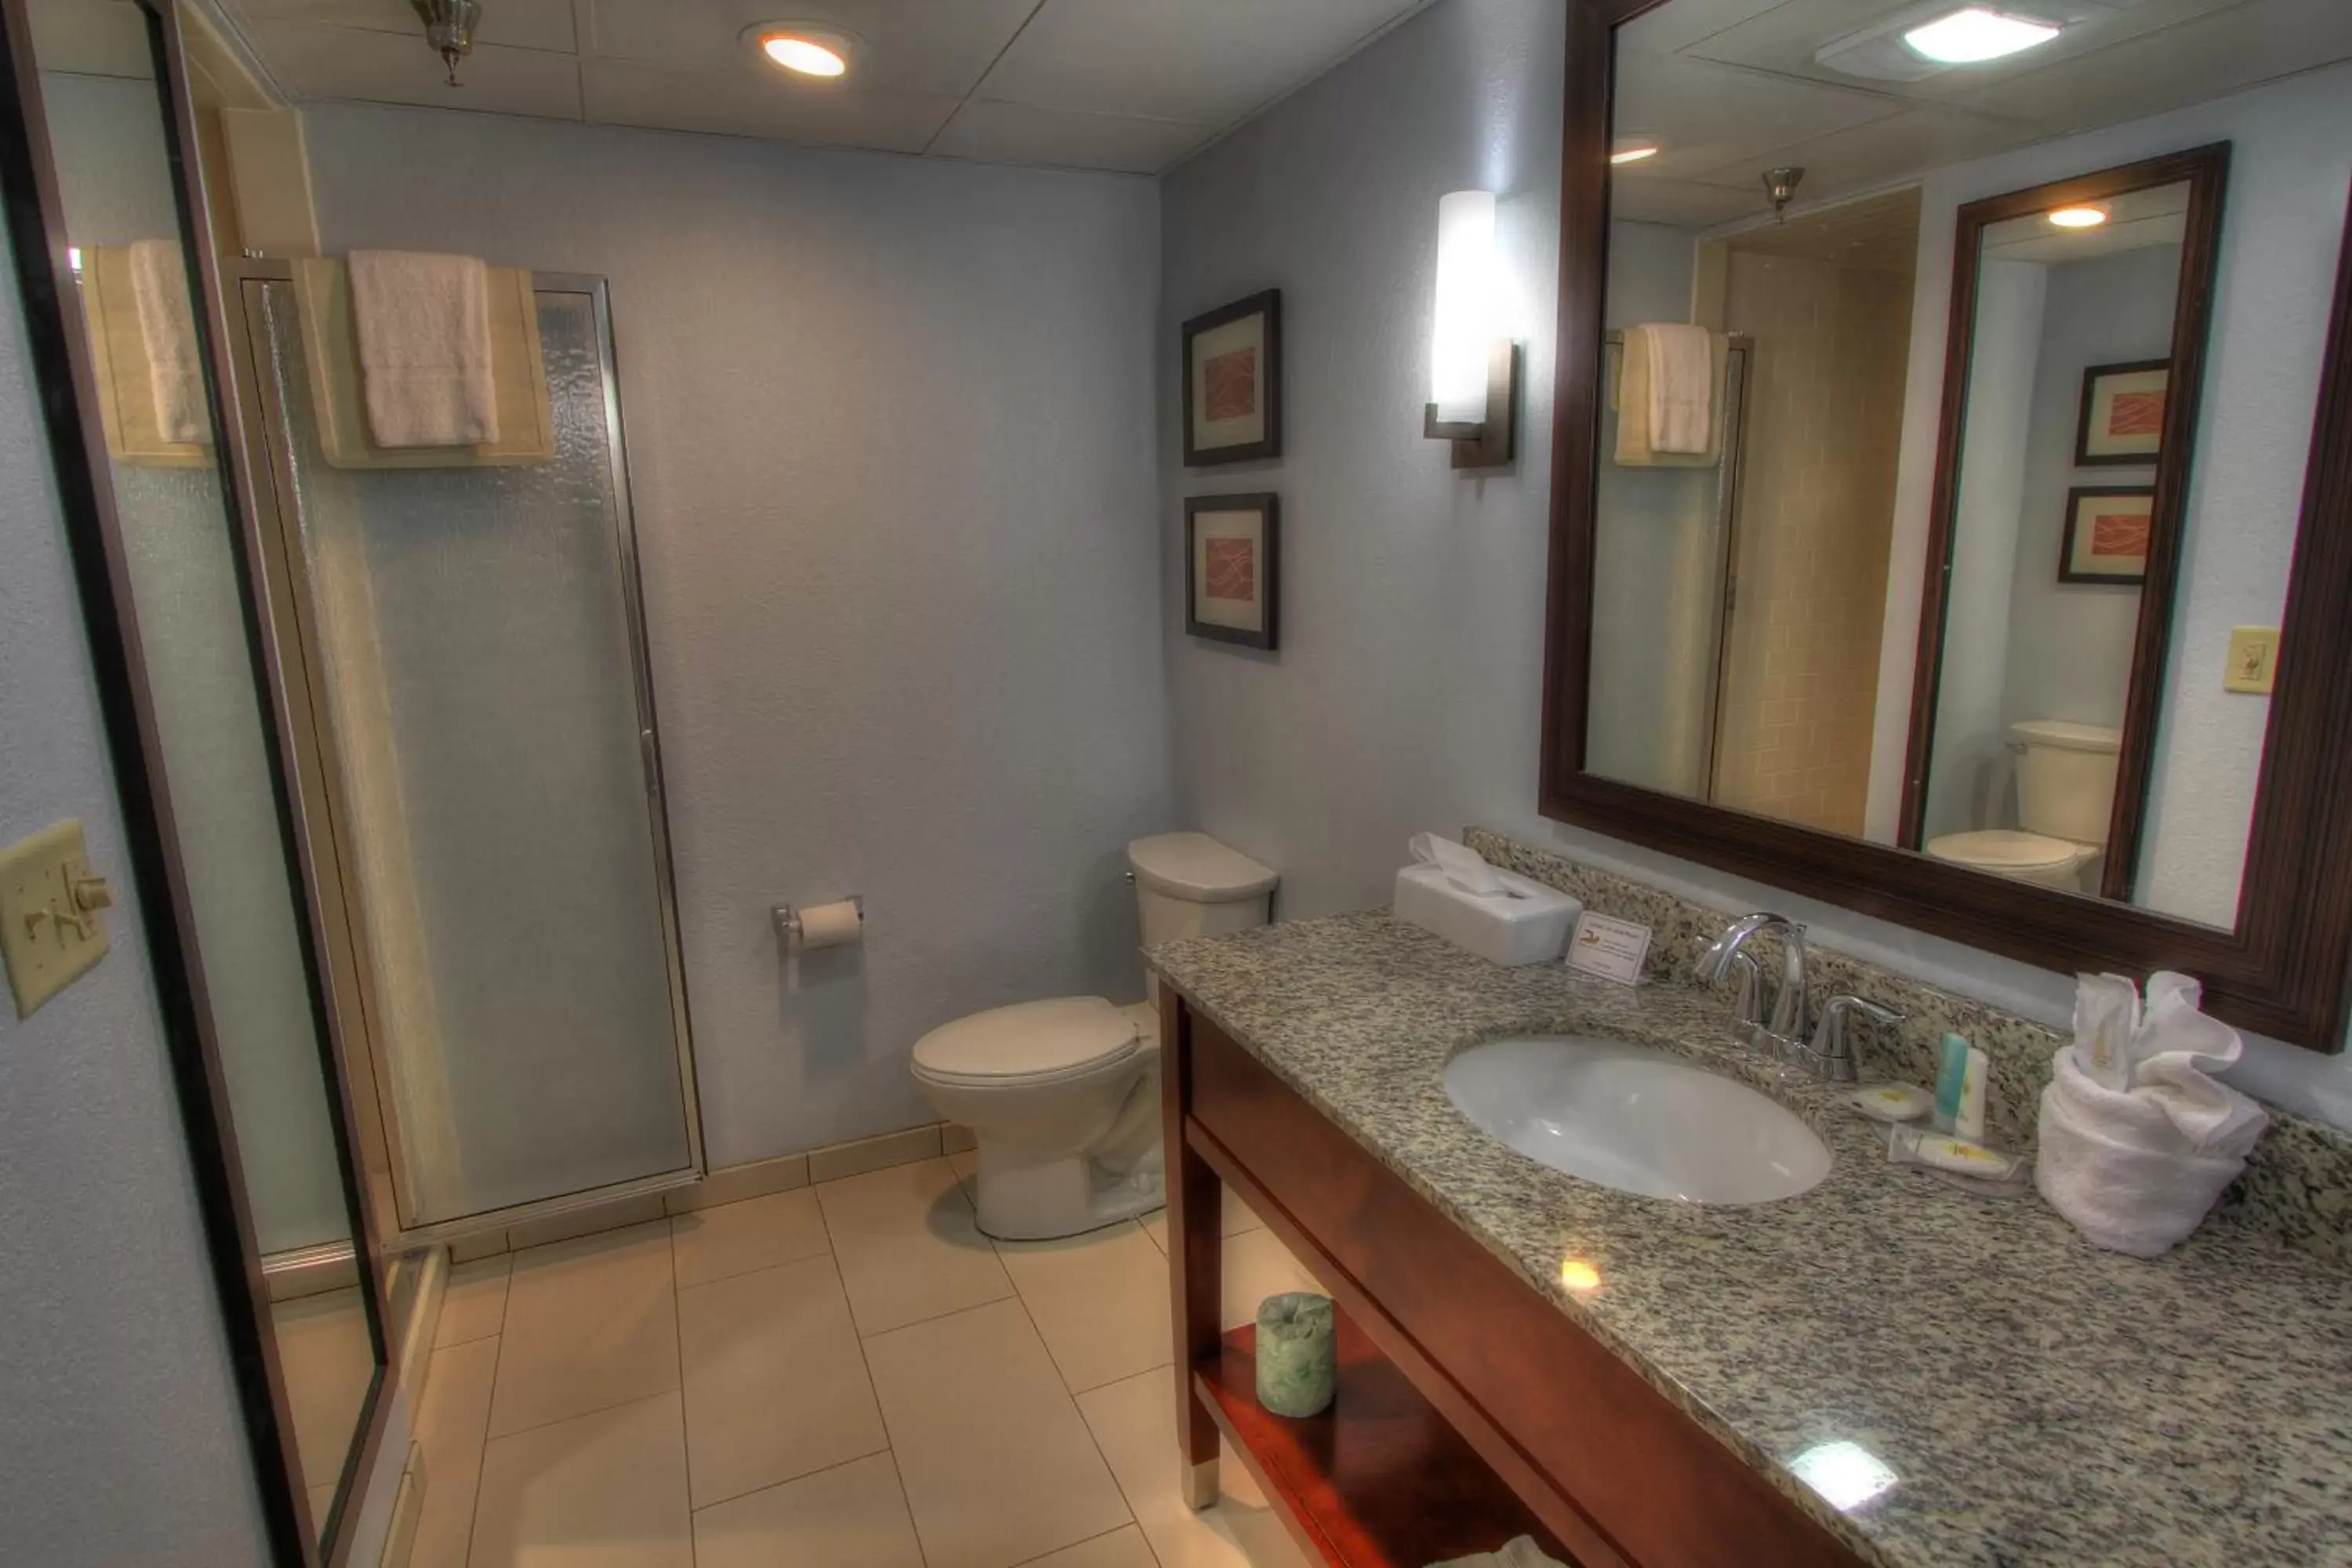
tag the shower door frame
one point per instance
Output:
(319, 777)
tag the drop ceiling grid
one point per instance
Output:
(1126, 85)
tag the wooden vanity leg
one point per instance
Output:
(1195, 1254)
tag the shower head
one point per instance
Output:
(449, 28)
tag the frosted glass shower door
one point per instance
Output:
(475, 637)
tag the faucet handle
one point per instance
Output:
(1833, 1055)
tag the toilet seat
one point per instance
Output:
(2010, 850)
(1030, 1044)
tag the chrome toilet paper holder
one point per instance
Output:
(787, 919)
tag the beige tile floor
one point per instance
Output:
(844, 1376)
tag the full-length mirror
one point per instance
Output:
(1909, 452)
(109, 124)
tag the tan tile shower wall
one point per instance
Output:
(1824, 414)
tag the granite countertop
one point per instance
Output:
(2039, 1401)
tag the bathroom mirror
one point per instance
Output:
(112, 250)
(2075, 362)
(1910, 546)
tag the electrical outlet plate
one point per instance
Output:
(52, 925)
(2254, 660)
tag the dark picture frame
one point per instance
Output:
(2070, 566)
(2281, 968)
(2085, 456)
(1257, 559)
(1232, 373)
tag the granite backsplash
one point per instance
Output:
(2297, 1183)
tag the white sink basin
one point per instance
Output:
(1641, 1120)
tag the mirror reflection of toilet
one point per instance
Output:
(1062, 1096)
(2066, 791)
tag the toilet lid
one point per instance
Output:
(1030, 1039)
(2006, 849)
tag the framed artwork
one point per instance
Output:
(2107, 536)
(1232, 568)
(1232, 382)
(2123, 413)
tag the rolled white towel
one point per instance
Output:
(2121, 1168)
(1519, 1551)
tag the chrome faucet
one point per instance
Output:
(1788, 1020)
(1830, 1056)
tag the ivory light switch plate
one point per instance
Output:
(2254, 660)
(52, 914)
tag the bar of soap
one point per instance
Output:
(1297, 1354)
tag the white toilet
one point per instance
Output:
(2065, 790)
(1062, 1096)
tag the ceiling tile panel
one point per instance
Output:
(624, 92)
(1017, 133)
(940, 46)
(1204, 62)
(1680, 203)
(1706, 116)
(1925, 137)
(1678, 24)
(92, 37)
(317, 62)
(1786, 37)
(519, 23)
(2197, 60)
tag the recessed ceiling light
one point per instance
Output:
(803, 50)
(1974, 33)
(1633, 151)
(2084, 216)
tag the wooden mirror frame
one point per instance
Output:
(2282, 969)
(2205, 171)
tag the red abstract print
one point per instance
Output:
(2119, 535)
(1230, 384)
(1231, 569)
(2136, 414)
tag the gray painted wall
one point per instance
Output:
(1407, 696)
(889, 425)
(2290, 160)
(2069, 644)
(120, 1435)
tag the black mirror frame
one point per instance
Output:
(34, 213)
(2282, 970)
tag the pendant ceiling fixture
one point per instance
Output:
(449, 28)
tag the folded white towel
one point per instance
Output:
(2137, 1169)
(424, 328)
(1682, 386)
(1519, 1551)
(167, 324)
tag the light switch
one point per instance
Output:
(2254, 660)
(52, 914)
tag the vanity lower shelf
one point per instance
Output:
(1380, 1479)
(1471, 1409)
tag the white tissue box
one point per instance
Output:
(1529, 927)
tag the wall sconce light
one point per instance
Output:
(1474, 372)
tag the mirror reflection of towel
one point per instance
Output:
(1681, 391)
(167, 323)
(1635, 447)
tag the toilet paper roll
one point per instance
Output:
(832, 925)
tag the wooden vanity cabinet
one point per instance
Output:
(1471, 1408)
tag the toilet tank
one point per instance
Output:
(2065, 778)
(1188, 884)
